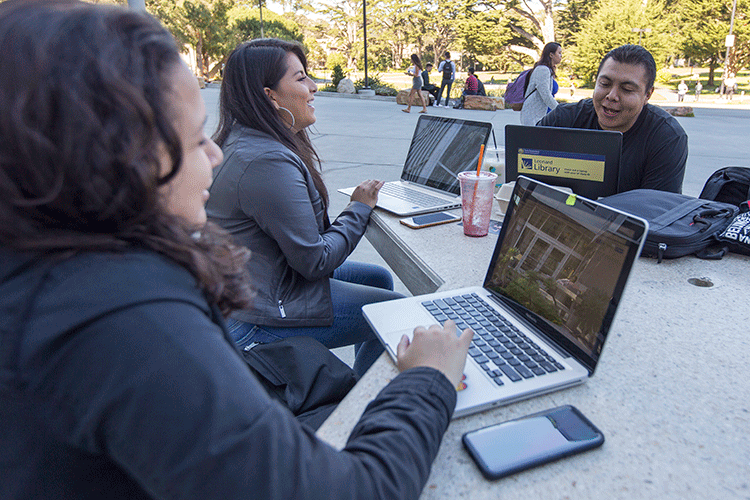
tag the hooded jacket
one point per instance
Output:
(264, 195)
(118, 380)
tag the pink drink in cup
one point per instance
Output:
(476, 199)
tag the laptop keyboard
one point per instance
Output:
(411, 195)
(502, 351)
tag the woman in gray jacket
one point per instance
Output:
(539, 97)
(270, 195)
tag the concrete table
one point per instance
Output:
(671, 392)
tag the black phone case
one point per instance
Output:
(575, 447)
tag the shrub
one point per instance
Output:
(376, 84)
(335, 59)
(337, 75)
(457, 90)
(664, 76)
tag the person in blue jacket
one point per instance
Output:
(118, 376)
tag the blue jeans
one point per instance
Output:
(354, 284)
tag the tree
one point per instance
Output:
(706, 25)
(612, 24)
(532, 20)
(569, 19)
(202, 25)
(345, 18)
(245, 23)
(437, 24)
(487, 36)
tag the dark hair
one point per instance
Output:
(470, 70)
(415, 60)
(250, 68)
(635, 55)
(428, 65)
(447, 54)
(84, 116)
(546, 57)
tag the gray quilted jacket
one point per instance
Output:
(263, 194)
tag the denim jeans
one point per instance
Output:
(443, 84)
(354, 284)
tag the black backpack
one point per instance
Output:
(728, 185)
(678, 224)
(447, 69)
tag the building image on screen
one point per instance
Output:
(547, 265)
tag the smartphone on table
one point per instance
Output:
(427, 220)
(516, 445)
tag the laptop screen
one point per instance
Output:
(562, 265)
(441, 148)
(586, 161)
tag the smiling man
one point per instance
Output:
(654, 145)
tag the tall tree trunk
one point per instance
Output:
(712, 64)
(199, 56)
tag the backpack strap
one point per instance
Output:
(677, 212)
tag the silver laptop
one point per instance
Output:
(548, 301)
(440, 148)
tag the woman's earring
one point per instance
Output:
(290, 114)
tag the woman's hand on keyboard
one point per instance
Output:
(436, 347)
(367, 192)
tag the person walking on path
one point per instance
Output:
(448, 69)
(415, 71)
(698, 88)
(539, 84)
(682, 89)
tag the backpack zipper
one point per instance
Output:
(281, 309)
(660, 252)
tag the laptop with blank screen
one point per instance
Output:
(548, 300)
(440, 148)
(586, 161)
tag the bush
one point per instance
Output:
(377, 85)
(457, 90)
(664, 76)
(336, 76)
(335, 59)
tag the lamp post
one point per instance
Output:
(364, 30)
(640, 31)
(260, 9)
(729, 43)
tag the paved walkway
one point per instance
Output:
(359, 139)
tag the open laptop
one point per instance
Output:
(586, 161)
(440, 148)
(548, 301)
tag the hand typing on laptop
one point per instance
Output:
(367, 192)
(436, 347)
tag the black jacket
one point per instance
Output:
(654, 149)
(118, 381)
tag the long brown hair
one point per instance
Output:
(250, 68)
(415, 60)
(84, 116)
